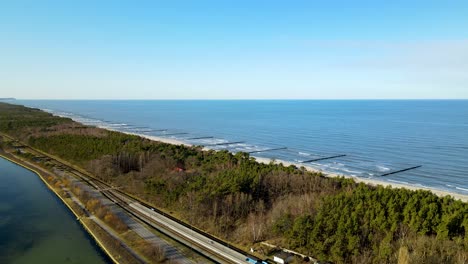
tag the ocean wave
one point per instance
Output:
(79, 118)
(350, 171)
(304, 153)
(401, 182)
(118, 124)
(421, 185)
(462, 189)
(382, 168)
(90, 122)
(146, 131)
(255, 148)
(210, 141)
(93, 121)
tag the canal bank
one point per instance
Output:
(104, 241)
(83, 223)
(35, 227)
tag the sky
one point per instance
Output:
(234, 49)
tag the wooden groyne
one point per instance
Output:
(324, 158)
(173, 134)
(398, 171)
(226, 143)
(265, 150)
(199, 138)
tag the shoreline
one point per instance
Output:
(372, 182)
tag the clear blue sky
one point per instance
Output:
(233, 49)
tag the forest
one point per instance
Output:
(238, 199)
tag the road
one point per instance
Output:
(228, 254)
(206, 245)
(170, 252)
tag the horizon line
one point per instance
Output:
(236, 99)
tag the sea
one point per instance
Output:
(371, 139)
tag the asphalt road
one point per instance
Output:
(203, 244)
(227, 254)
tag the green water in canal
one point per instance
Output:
(35, 226)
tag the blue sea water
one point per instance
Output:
(377, 136)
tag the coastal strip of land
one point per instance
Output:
(373, 182)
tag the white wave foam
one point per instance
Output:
(349, 171)
(304, 153)
(420, 185)
(212, 141)
(462, 189)
(252, 148)
(382, 168)
(402, 182)
(137, 130)
(80, 119)
(118, 124)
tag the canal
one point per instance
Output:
(36, 227)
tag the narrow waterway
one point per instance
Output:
(35, 226)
